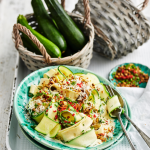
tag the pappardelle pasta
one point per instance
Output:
(74, 108)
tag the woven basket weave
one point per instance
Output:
(34, 62)
(119, 26)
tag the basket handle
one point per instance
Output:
(18, 41)
(143, 5)
(87, 18)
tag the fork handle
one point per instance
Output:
(124, 130)
(143, 135)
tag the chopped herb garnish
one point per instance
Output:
(38, 94)
(57, 94)
(101, 121)
(73, 83)
(36, 105)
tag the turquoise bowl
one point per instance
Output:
(145, 69)
(21, 99)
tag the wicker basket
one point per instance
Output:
(119, 26)
(34, 62)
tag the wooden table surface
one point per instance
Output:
(9, 10)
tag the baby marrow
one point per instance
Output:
(102, 91)
(66, 25)
(93, 78)
(54, 131)
(46, 125)
(96, 98)
(85, 139)
(39, 117)
(65, 71)
(30, 45)
(47, 26)
(51, 48)
(112, 104)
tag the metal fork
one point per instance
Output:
(143, 135)
(117, 113)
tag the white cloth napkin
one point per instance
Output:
(139, 102)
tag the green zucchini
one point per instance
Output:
(65, 71)
(39, 117)
(112, 104)
(54, 131)
(47, 26)
(93, 78)
(102, 91)
(51, 48)
(96, 98)
(66, 25)
(30, 45)
(46, 125)
(85, 139)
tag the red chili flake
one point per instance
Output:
(47, 110)
(140, 82)
(89, 116)
(50, 106)
(134, 71)
(68, 117)
(69, 122)
(54, 110)
(122, 71)
(73, 114)
(56, 117)
(75, 107)
(75, 122)
(65, 121)
(94, 116)
(40, 91)
(112, 79)
(131, 76)
(124, 77)
(67, 82)
(102, 134)
(69, 109)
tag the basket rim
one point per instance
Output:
(72, 57)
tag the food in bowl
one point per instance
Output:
(130, 76)
(74, 108)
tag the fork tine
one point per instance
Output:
(111, 91)
(108, 90)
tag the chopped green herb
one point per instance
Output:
(101, 121)
(57, 94)
(102, 111)
(73, 83)
(38, 94)
(36, 105)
